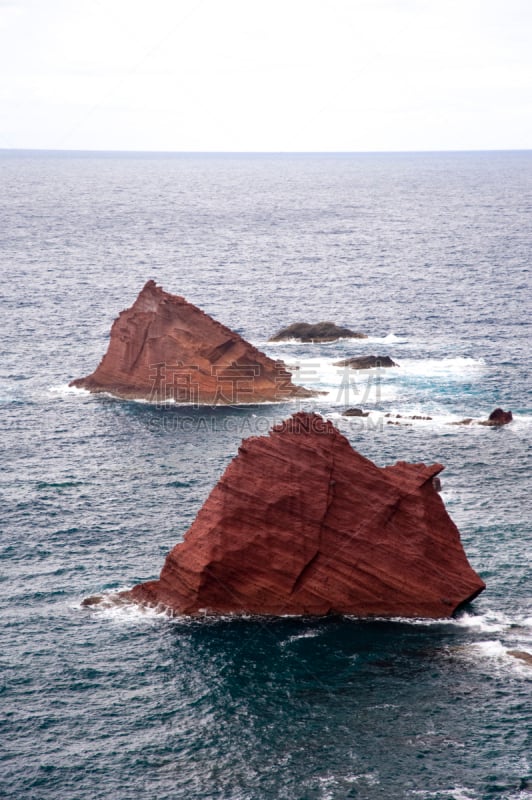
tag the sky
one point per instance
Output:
(251, 75)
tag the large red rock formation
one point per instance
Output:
(164, 348)
(300, 523)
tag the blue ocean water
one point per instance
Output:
(427, 253)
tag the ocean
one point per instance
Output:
(427, 253)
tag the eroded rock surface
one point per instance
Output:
(164, 348)
(300, 523)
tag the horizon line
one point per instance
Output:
(257, 152)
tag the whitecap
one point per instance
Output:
(488, 622)
(342, 386)
(492, 648)
(455, 793)
(390, 338)
(64, 390)
(311, 634)
(260, 345)
(457, 368)
(123, 611)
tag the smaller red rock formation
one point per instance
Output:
(300, 523)
(316, 332)
(164, 348)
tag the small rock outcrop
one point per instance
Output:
(498, 417)
(166, 349)
(316, 332)
(522, 655)
(366, 362)
(300, 523)
(355, 412)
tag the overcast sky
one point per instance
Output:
(257, 75)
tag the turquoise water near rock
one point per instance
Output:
(427, 253)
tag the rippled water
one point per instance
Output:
(429, 254)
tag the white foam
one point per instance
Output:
(311, 634)
(370, 778)
(175, 404)
(457, 368)
(265, 345)
(124, 612)
(342, 386)
(490, 649)
(390, 338)
(456, 793)
(499, 654)
(520, 425)
(261, 345)
(489, 622)
(64, 389)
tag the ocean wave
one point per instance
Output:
(123, 611)
(316, 372)
(266, 344)
(487, 622)
(390, 338)
(64, 390)
(504, 657)
(454, 368)
(455, 793)
(310, 634)
(342, 386)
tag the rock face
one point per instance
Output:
(300, 523)
(355, 412)
(366, 362)
(164, 348)
(316, 332)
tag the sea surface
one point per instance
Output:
(429, 254)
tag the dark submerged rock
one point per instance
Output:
(316, 332)
(498, 417)
(522, 655)
(366, 362)
(355, 412)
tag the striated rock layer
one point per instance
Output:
(300, 523)
(164, 348)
